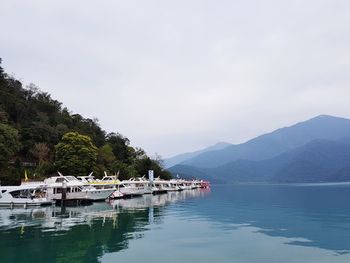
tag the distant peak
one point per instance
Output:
(324, 116)
(222, 143)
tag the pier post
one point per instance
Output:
(64, 193)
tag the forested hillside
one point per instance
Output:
(39, 135)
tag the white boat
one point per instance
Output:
(125, 188)
(166, 185)
(24, 195)
(146, 184)
(75, 189)
(132, 188)
(185, 185)
(107, 182)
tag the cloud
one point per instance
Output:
(174, 76)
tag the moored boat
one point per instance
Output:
(75, 189)
(24, 195)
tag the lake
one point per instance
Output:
(229, 223)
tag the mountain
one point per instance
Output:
(317, 161)
(32, 124)
(275, 143)
(185, 156)
(190, 172)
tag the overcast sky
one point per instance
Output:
(176, 76)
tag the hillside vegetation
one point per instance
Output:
(39, 135)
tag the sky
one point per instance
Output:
(177, 76)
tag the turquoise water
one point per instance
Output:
(229, 223)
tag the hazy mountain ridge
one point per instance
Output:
(272, 144)
(185, 156)
(318, 160)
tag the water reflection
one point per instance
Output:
(147, 201)
(80, 234)
(309, 215)
(244, 222)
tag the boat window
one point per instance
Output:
(57, 191)
(71, 178)
(3, 191)
(15, 194)
(60, 180)
(21, 194)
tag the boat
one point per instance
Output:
(130, 188)
(126, 188)
(107, 182)
(24, 195)
(166, 185)
(75, 189)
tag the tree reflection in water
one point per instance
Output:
(80, 234)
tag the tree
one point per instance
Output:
(105, 155)
(120, 146)
(40, 151)
(9, 143)
(3, 116)
(75, 154)
(125, 171)
(33, 123)
(105, 159)
(145, 164)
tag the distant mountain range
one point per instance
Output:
(317, 150)
(186, 156)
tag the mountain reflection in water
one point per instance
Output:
(313, 215)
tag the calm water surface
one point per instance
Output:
(231, 223)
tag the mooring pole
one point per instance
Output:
(64, 193)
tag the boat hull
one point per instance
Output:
(25, 203)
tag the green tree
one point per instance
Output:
(105, 160)
(41, 152)
(75, 154)
(105, 155)
(125, 171)
(41, 122)
(9, 143)
(120, 146)
(145, 164)
(9, 146)
(3, 116)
